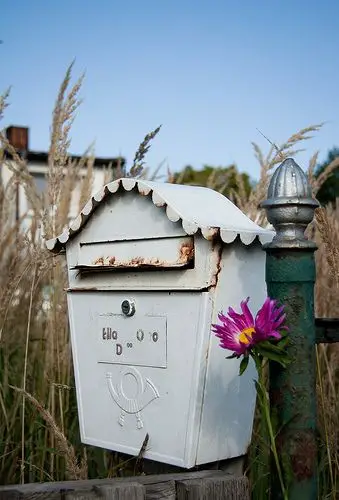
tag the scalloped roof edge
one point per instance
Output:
(189, 204)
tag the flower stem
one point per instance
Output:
(265, 403)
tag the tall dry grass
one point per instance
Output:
(34, 351)
(39, 436)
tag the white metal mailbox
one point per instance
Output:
(150, 265)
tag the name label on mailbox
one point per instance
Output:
(132, 341)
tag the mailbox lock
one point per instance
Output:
(128, 307)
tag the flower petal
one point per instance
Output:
(269, 320)
(247, 313)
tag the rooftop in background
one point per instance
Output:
(18, 137)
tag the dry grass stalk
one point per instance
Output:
(4, 102)
(74, 470)
(311, 167)
(87, 179)
(22, 468)
(317, 182)
(21, 176)
(63, 116)
(119, 171)
(138, 162)
(274, 157)
(240, 197)
(328, 227)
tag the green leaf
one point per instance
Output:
(279, 357)
(266, 344)
(260, 392)
(234, 355)
(268, 347)
(283, 342)
(243, 364)
(284, 333)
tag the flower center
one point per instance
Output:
(246, 335)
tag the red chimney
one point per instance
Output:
(18, 138)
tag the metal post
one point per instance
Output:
(290, 277)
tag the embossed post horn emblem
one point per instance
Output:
(145, 394)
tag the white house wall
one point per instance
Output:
(38, 168)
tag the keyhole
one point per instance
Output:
(128, 307)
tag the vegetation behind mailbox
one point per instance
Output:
(39, 438)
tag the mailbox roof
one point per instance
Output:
(198, 208)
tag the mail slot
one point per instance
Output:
(165, 253)
(150, 265)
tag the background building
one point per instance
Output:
(37, 163)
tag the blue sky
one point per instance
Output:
(211, 72)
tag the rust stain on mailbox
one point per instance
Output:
(183, 256)
(211, 233)
(186, 252)
(99, 262)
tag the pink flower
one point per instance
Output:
(240, 332)
(269, 320)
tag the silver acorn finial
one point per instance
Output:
(290, 206)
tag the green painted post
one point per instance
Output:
(290, 277)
